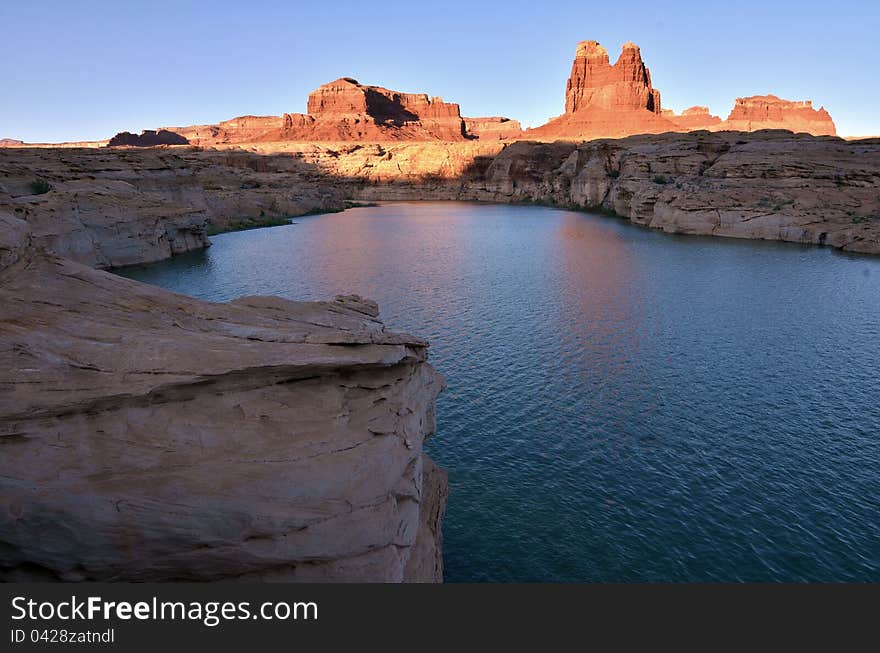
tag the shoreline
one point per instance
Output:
(116, 207)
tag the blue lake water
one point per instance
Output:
(623, 405)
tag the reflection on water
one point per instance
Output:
(622, 404)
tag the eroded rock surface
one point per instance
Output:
(771, 185)
(150, 436)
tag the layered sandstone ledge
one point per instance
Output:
(771, 185)
(151, 436)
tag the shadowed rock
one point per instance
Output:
(147, 138)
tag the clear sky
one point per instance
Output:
(84, 70)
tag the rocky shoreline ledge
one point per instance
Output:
(150, 436)
(114, 207)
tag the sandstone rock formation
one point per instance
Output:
(693, 118)
(10, 142)
(151, 436)
(770, 112)
(604, 100)
(147, 138)
(346, 110)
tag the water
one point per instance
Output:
(623, 405)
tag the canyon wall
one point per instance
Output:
(150, 436)
(770, 185)
(113, 207)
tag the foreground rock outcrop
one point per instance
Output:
(151, 436)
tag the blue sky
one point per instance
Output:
(87, 69)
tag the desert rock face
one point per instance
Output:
(293, 451)
(604, 100)
(693, 118)
(771, 112)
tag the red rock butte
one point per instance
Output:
(346, 110)
(771, 112)
(604, 100)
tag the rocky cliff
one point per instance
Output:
(604, 100)
(110, 207)
(769, 185)
(151, 436)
